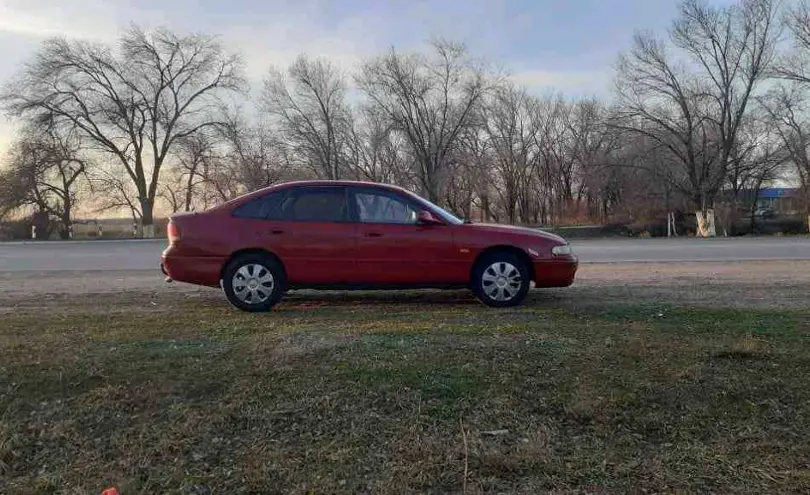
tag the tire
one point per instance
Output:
(501, 280)
(254, 282)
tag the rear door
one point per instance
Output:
(392, 248)
(311, 232)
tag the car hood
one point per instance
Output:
(513, 230)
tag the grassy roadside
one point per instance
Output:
(416, 396)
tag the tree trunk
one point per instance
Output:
(705, 223)
(485, 208)
(147, 219)
(41, 220)
(189, 191)
(64, 232)
(753, 214)
(807, 205)
(433, 191)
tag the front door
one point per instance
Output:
(392, 248)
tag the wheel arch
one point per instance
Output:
(504, 248)
(246, 251)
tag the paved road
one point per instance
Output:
(669, 250)
(145, 254)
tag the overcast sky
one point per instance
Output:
(568, 45)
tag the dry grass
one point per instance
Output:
(403, 393)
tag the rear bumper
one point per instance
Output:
(557, 272)
(198, 270)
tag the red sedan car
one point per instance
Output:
(356, 235)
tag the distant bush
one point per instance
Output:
(111, 228)
(590, 231)
(780, 226)
(18, 230)
(15, 230)
(685, 226)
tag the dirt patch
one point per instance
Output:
(101, 291)
(759, 284)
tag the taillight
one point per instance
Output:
(173, 232)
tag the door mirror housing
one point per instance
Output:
(425, 217)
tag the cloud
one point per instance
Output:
(576, 83)
(90, 20)
(263, 40)
(277, 45)
(6, 136)
(271, 33)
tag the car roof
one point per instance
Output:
(305, 183)
(333, 183)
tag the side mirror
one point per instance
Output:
(425, 217)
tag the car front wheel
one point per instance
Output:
(254, 282)
(501, 280)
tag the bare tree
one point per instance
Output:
(195, 155)
(694, 105)
(171, 191)
(430, 99)
(114, 191)
(470, 178)
(248, 156)
(554, 168)
(788, 108)
(375, 151)
(632, 188)
(309, 105)
(466, 168)
(757, 159)
(593, 142)
(788, 105)
(512, 128)
(795, 65)
(133, 104)
(614, 185)
(44, 170)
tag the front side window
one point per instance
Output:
(315, 205)
(381, 207)
(446, 215)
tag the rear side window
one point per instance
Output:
(260, 208)
(323, 204)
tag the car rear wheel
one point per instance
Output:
(501, 280)
(254, 282)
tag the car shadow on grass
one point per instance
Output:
(427, 297)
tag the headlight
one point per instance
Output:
(564, 250)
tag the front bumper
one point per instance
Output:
(556, 272)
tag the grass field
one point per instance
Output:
(413, 392)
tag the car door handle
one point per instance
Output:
(276, 232)
(373, 234)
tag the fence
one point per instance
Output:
(83, 229)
